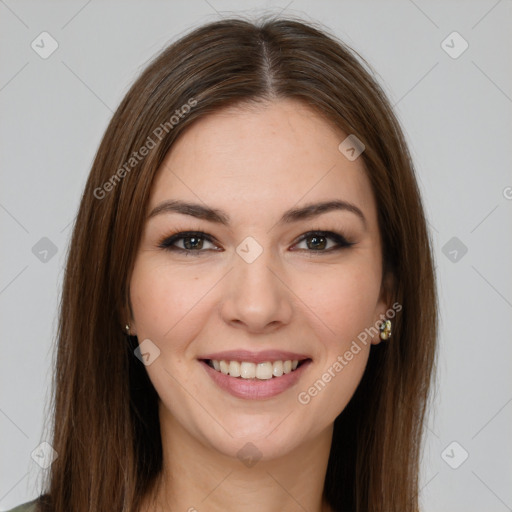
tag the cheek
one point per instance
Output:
(169, 308)
(341, 306)
(164, 299)
(345, 308)
(343, 301)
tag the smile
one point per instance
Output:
(255, 376)
(249, 370)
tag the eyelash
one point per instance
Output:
(167, 243)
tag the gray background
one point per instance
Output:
(456, 113)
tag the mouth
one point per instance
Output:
(265, 370)
(255, 376)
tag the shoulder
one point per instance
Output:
(29, 506)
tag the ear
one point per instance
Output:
(383, 304)
(126, 318)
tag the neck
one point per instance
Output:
(197, 477)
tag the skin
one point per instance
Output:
(254, 163)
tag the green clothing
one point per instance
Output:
(30, 506)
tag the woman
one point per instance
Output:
(249, 312)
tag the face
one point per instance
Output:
(266, 281)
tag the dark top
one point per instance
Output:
(29, 506)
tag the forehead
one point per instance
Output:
(262, 158)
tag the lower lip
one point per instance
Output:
(255, 389)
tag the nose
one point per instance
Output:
(256, 297)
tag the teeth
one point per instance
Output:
(264, 371)
(277, 369)
(224, 367)
(247, 370)
(234, 369)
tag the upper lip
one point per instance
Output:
(254, 357)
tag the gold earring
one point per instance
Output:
(385, 330)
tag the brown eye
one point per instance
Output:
(318, 241)
(191, 242)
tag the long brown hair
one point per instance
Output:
(104, 410)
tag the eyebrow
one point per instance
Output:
(308, 211)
